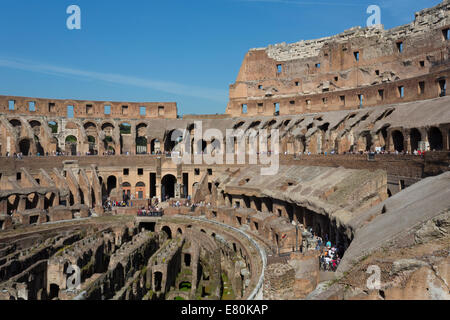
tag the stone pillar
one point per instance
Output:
(227, 201)
(22, 203)
(4, 206)
(41, 202)
(407, 140)
(264, 207)
(133, 135)
(445, 137)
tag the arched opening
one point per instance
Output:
(167, 230)
(140, 190)
(172, 140)
(168, 187)
(141, 140)
(148, 226)
(179, 232)
(141, 145)
(125, 132)
(31, 201)
(155, 146)
(397, 139)
(215, 146)
(53, 126)
(126, 191)
(201, 146)
(92, 145)
(91, 133)
(435, 139)
(415, 137)
(71, 145)
(24, 146)
(111, 184)
(15, 123)
(12, 203)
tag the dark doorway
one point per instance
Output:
(24, 146)
(167, 230)
(168, 187)
(111, 184)
(435, 139)
(158, 281)
(397, 139)
(415, 138)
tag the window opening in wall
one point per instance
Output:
(400, 46)
(124, 110)
(401, 91)
(361, 100)
(32, 106)
(210, 172)
(442, 87)
(70, 112)
(140, 172)
(422, 64)
(381, 94)
(277, 108)
(377, 72)
(161, 111)
(18, 176)
(356, 54)
(297, 83)
(51, 107)
(89, 109)
(107, 109)
(11, 104)
(197, 171)
(142, 111)
(342, 98)
(421, 87)
(279, 68)
(244, 108)
(317, 65)
(260, 87)
(126, 172)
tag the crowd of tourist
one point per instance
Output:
(330, 255)
(110, 205)
(150, 211)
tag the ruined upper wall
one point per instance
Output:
(357, 68)
(87, 109)
(425, 21)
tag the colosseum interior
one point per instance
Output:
(363, 122)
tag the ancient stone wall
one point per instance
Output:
(360, 67)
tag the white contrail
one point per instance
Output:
(164, 86)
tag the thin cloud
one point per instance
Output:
(163, 86)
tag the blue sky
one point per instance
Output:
(161, 50)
